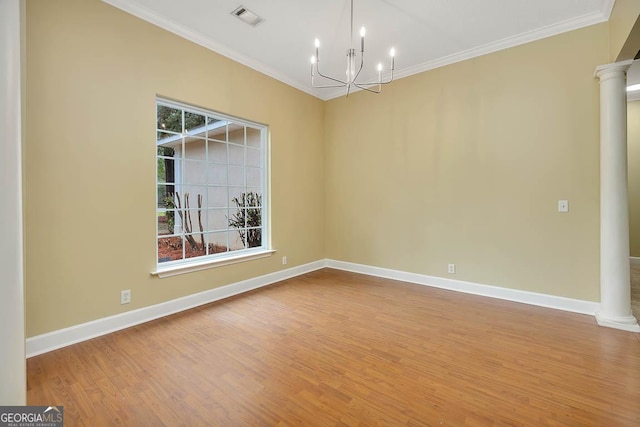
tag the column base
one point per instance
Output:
(626, 323)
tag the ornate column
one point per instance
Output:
(615, 280)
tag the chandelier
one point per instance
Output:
(352, 74)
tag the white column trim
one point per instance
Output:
(13, 386)
(608, 71)
(615, 277)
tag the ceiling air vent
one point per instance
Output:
(245, 15)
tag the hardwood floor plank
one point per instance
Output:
(332, 348)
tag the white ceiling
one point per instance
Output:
(425, 33)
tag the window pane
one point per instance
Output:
(253, 137)
(254, 177)
(161, 225)
(194, 245)
(166, 169)
(236, 133)
(217, 197)
(236, 155)
(194, 123)
(254, 193)
(217, 242)
(165, 196)
(169, 249)
(236, 197)
(236, 175)
(254, 217)
(217, 219)
(254, 237)
(187, 196)
(195, 148)
(166, 137)
(169, 119)
(216, 129)
(236, 240)
(254, 157)
(217, 152)
(217, 174)
(195, 172)
(193, 221)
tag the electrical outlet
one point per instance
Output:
(451, 269)
(563, 206)
(125, 297)
(284, 260)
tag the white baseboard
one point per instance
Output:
(532, 298)
(82, 332)
(63, 337)
(634, 260)
(625, 323)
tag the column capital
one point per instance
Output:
(607, 71)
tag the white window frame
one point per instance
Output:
(210, 260)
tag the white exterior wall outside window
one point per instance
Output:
(211, 185)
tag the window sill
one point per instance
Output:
(175, 270)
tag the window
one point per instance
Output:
(211, 185)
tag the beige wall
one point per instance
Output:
(93, 73)
(624, 30)
(465, 164)
(462, 164)
(633, 144)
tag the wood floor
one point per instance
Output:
(338, 349)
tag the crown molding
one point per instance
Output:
(541, 33)
(202, 40)
(633, 96)
(607, 7)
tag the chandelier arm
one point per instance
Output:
(325, 86)
(343, 83)
(368, 89)
(378, 83)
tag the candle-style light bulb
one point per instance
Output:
(392, 52)
(362, 32)
(313, 59)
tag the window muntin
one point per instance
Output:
(211, 185)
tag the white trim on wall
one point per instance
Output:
(532, 298)
(13, 387)
(78, 333)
